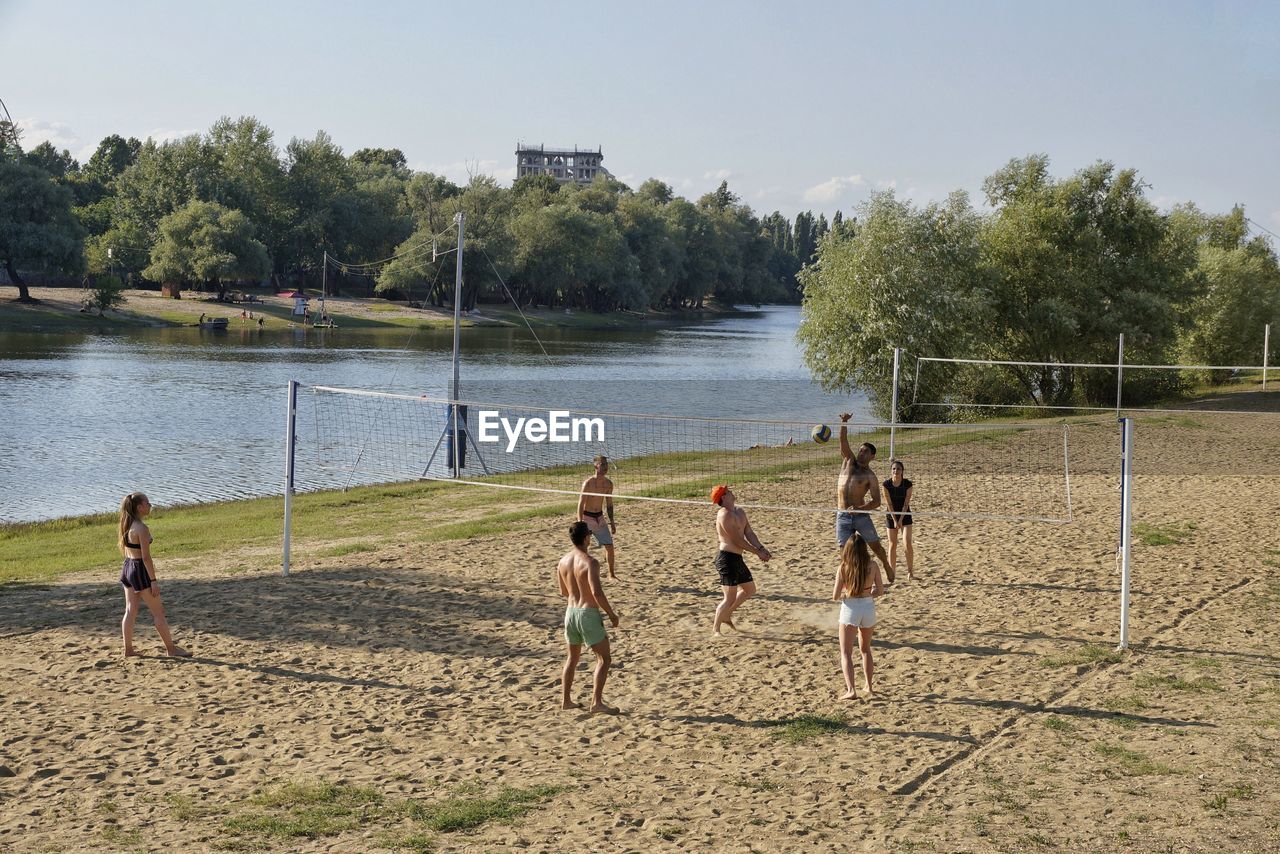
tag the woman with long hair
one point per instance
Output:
(898, 488)
(138, 577)
(858, 582)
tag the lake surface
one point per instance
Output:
(189, 415)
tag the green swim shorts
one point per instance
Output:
(583, 626)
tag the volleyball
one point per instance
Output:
(820, 433)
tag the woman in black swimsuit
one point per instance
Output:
(898, 489)
(138, 577)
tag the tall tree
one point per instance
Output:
(207, 243)
(37, 229)
(908, 277)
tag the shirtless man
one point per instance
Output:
(857, 492)
(591, 507)
(579, 576)
(736, 536)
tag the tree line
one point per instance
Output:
(1054, 270)
(211, 209)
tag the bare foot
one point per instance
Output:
(849, 695)
(179, 652)
(570, 705)
(129, 653)
(602, 709)
(729, 622)
(870, 694)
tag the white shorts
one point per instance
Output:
(858, 612)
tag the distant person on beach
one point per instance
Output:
(898, 488)
(139, 574)
(579, 576)
(260, 322)
(597, 498)
(736, 536)
(858, 582)
(858, 493)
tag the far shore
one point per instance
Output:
(59, 310)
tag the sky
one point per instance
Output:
(799, 106)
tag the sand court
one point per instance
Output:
(429, 673)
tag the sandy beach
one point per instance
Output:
(418, 674)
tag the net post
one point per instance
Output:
(1120, 375)
(1266, 351)
(459, 219)
(1126, 524)
(893, 404)
(290, 444)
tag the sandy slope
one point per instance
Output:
(420, 667)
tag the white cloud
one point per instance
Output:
(888, 184)
(163, 135)
(833, 189)
(718, 175)
(58, 134)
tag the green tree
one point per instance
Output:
(60, 164)
(908, 278)
(1077, 262)
(207, 243)
(37, 228)
(1241, 294)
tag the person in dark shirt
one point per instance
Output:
(898, 489)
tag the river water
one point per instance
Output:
(190, 415)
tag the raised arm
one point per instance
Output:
(845, 451)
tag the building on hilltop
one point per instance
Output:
(564, 164)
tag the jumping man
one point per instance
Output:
(579, 576)
(736, 536)
(857, 492)
(591, 508)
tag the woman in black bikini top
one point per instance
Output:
(138, 576)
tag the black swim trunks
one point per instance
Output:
(733, 569)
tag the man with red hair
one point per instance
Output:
(736, 536)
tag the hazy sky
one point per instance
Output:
(799, 105)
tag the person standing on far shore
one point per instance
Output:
(138, 577)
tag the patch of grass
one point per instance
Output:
(1124, 704)
(305, 810)
(417, 842)
(1167, 534)
(1087, 654)
(804, 727)
(1129, 762)
(1207, 663)
(1058, 724)
(185, 808)
(348, 549)
(1217, 804)
(1038, 840)
(668, 832)
(764, 784)
(121, 838)
(454, 814)
(1200, 686)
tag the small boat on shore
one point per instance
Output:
(213, 323)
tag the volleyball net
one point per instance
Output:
(1002, 471)
(967, 389)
